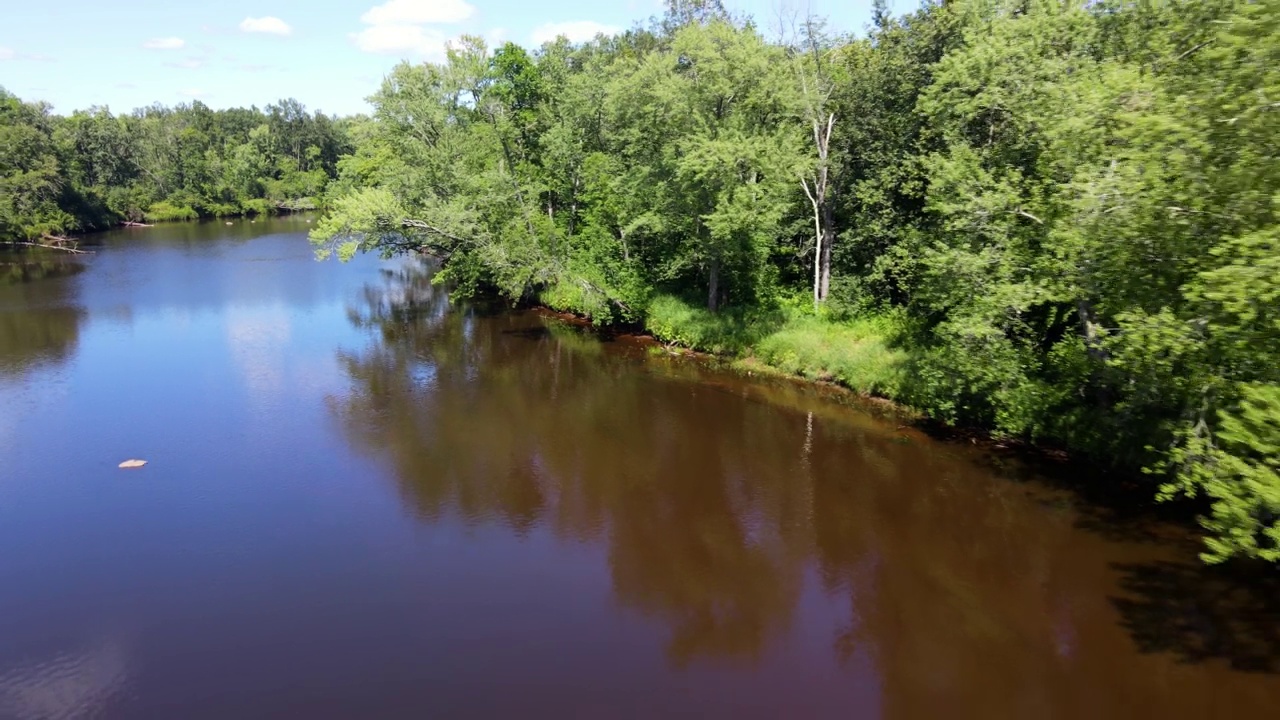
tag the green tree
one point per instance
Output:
(31, 179)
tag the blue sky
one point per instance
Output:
(329, 54)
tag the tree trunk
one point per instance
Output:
(823, 218)
(817, 262)
(828, 242)
(1089, 332)
(713, 291)
(573, 206)
(817, 239)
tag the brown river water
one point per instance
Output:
(365, 502)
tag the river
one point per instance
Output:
(363, 501)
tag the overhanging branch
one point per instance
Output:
(423, 225)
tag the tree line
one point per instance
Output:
(93, 169)
(1055, 219)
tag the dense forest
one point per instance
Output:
(93, 169)
(1053, 219)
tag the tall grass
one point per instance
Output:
(856, 353)
(729, 332)
(165, 211)
(865, 353)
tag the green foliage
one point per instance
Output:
(1237, 466)
(536, 175)
(165, 211)
(93, 169)
(30, 182)
(858, 354)
(256, 206)
(357, 219)
(731, 331)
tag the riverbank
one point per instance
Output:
(867, 362)
(83, 241)
(868, 355)
(165, 211)
(872, 356)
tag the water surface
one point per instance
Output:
(364, 502)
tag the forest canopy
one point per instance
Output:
(92, 169)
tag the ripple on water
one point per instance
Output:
(76, 683)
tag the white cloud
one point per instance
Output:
(576, 30)
(193, 93)
(412, 27)
(191, 63)
(165, 43)
(8, 53)
(401, 40)
(495, 37)
(269, 25)
(417, 12)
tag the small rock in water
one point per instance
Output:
(133, 464)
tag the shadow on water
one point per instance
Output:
(1114, 504)
(530, 333)
(17, 268)
(1183, 608)
(40, 318)
(1201, 613)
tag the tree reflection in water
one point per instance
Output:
(40, 319)
(719, 500)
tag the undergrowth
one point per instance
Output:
(865, 353)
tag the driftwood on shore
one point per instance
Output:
(53, 242)
(300, 205)
(130, 223)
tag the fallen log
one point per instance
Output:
(130, 223)
(303, 205)
(53, 242)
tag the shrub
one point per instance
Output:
(730, 331)
(864, 353)
(165, 211)
(858, 353)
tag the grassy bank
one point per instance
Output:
(867, 354)
(166, 211)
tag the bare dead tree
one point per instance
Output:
(816, 88)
